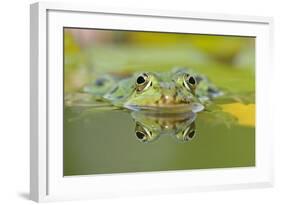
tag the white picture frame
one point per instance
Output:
(46, 179)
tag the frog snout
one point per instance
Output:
(167, 99)
(168, 96)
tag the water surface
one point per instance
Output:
(102, 142)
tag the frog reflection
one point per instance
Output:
(149, 127)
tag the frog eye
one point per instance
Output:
(190, 82)
(142, 82)
(189, 135)
(141, 79)
(189, 132)
(142, 133)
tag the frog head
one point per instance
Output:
(164, 92)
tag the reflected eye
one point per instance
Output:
(190, 82)
(189, 132)
(142, 82)
(142, 133)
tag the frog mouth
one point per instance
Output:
(167, 108)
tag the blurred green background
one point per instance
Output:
(227, 60)
(104, 142)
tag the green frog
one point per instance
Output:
(179, 90)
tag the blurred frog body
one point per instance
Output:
(179, 90)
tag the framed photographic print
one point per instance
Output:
(129, 102)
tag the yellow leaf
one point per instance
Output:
(246, 114)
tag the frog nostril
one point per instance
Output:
(168, 98)
(165, 98)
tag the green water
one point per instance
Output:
(105, 142)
